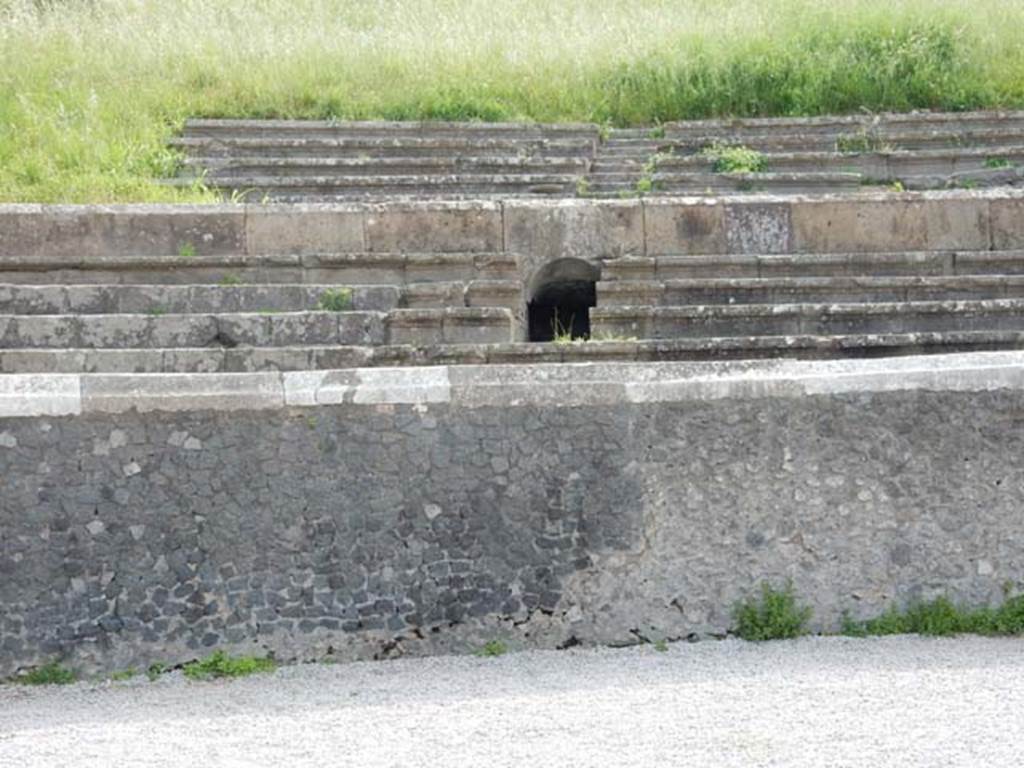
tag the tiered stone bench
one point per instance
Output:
(307, 160)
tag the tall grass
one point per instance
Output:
(91, 89)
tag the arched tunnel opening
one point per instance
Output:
(561, 297)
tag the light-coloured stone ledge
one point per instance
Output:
(470, 386)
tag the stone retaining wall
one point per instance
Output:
(379, 512)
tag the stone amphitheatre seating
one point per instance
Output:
(332, 428)
(517, 280)
(288, 161)
(338, 286)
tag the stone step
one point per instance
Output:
(356, 186)
(630, 150)
(807, 319)
(912, 263)
(195, 299)
(602, 167)
(875, 165)
(314, 357)
(475, 293)
(720, 183)
(842, 124)
(396, 148)
(850, 143)
(386, 129)
(278, 297)
(317, 269)
(790, 290)
(481, 325)
(790, 183)
(222, 169)
(455, 325)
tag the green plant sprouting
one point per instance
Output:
(735, 159)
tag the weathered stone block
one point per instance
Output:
(301, 229)
(434, 227)
(758, 228)
(39, 395)
(119, 393)
(903, 223)
(539, 232)
(1007, 223)
(73, 232)
(681, 228)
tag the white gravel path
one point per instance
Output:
(813, 702)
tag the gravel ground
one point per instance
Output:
(815, 702)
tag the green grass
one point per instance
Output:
(774, 615)
(492, 648)
(90, 90)
(997, 162)
(52, 673)
(219, 664)
(940, 618)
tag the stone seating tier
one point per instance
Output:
(327, 161)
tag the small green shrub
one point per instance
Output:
(53, 673)
(735, 159)
(644, 185)
(124, 674)
(775, 616)
(219, 664)
(583, 187)
(154, 670)
(230, 279)
(661, 646)
(997, 162)
(941, 618)
(1008, 619)
(335, 300)
(492, 648)
(187, 251)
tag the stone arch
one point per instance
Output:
(559, 299)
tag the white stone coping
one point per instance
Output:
(474, 386)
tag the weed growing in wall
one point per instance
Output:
(729, 159)
(335, 300)
(52, 673)
(492, 648)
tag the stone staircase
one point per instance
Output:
(329, 161)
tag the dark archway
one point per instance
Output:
(561, 296)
